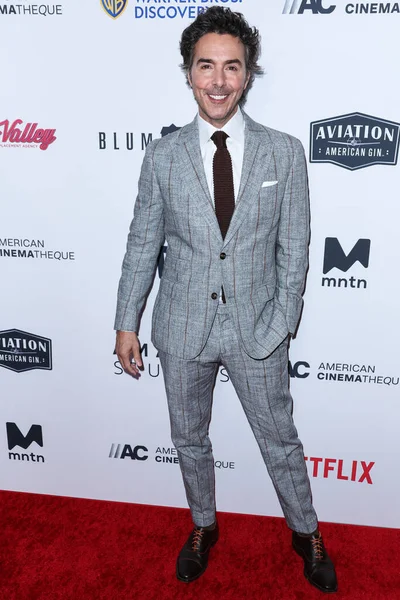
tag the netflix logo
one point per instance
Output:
(358, 471)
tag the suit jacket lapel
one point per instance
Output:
(258, 149)
(191, 162)
(257, 154)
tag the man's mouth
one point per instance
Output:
(218, 97)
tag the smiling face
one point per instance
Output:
(218, 76)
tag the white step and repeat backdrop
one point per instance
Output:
(84, 87)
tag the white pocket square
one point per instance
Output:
(269, 183)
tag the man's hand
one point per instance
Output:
(127, 348)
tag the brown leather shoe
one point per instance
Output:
(318, 567)
(193, 558)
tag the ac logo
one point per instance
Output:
(334, 256)
(298, 7)
(126, 450)
(298, 369)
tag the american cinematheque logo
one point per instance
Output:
(343, 373)
(354, 141)
(22, 351)
(27, 9)
(31, 248)
(160, 455)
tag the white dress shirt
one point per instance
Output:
(234, 128)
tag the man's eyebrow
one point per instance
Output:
(232, 61)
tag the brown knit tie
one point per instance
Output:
(224, 195)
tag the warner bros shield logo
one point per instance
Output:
(354, 141)
(114, 8)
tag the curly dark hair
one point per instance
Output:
(218, 19)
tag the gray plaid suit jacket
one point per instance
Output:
(261, 263)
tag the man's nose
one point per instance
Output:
(219, 77)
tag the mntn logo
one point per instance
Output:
(16, 438)
(298, 7)
(114, 8)
(334, 256)
(126, 450)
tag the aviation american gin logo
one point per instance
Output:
(354, 141)
(22, 351)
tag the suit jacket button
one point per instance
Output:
(214, 295)
(222, 255)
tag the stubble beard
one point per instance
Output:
(224, 119)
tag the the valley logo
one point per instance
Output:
(22, 351)
(16, 438)
(354, 141)
(16, 134)
(335, 257)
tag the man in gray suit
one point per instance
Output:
(230, 197)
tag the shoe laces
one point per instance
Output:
(318, 547)
(197, 538)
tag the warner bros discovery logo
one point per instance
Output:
(16, 438)
(335, 257)
(354, 141)
(114, 8)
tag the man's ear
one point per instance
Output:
(189, 80)
(247, 80)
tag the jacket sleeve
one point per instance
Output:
(293, 238)
(146, 236)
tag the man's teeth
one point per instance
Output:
(218, 97)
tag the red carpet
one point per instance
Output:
(61, 548)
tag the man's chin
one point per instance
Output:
(219, 116)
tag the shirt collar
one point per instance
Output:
(234, 128)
